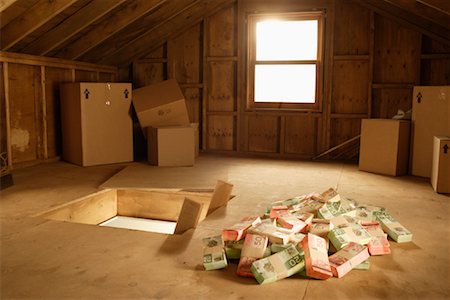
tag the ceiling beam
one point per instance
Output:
(129, 13)
(408, 19)
(14, 10)
(426, 12)
(4, 4)
(30, 20)
(136, 29)
(441, 5)
(71, 26)
(158, 35)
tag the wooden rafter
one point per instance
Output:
(14, 10)
(157, 36)
(132, 31)
(71, 26)
(30, 20)
(4, 4)
(128, 14)
(407, 18)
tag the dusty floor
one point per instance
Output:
(43, 259)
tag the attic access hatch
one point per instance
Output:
(160, 211)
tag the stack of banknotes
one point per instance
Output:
(317, 235)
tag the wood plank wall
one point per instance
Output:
(371, 65)
(30, 109)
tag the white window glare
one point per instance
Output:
(285, 83)
(286, 40)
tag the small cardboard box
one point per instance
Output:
(384, 146)
(171, 146)
(440, 172)
(160, 104)
(96, 123)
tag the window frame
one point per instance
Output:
(252, 19)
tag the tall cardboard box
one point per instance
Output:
(430, 117)
(160, 104)
(96, 123)
(171, 146)
(440, 171)
(384, 147)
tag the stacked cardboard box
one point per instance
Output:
(162, 114)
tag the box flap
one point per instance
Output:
(189, 215)
(158, 94)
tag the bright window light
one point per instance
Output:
(285, 83)
(286, 40)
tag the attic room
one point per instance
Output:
(225, 149)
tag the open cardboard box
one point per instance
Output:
(186, 208)
(161, 104)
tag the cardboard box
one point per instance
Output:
(384, 147)
(96, 123)
(440, 171)
(430, 117)
(160, 104)
(172, 146)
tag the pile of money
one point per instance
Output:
(213, 253)
(254, 248)
(393, 228)
(347, 258)
(316, 257)
(238, 231)
(317, 235)
(278, 266)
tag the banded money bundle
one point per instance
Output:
(340, 237)
(278, 266)
(213, 253)
(238, 231)
(366, 212)
(393, 228)
(379, 244)
(365, 265)
(316, 257)
(275, 234)
(295, 239)
(233, 249)
(337, 208)
(347, 258)
(291, 222)
(253, 249)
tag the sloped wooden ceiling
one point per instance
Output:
(116, 32)
(111, 32)
(430, 17)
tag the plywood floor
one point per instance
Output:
(54, 260)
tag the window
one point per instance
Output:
(285, 60)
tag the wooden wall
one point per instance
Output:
(30, 110)
(371, 64)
